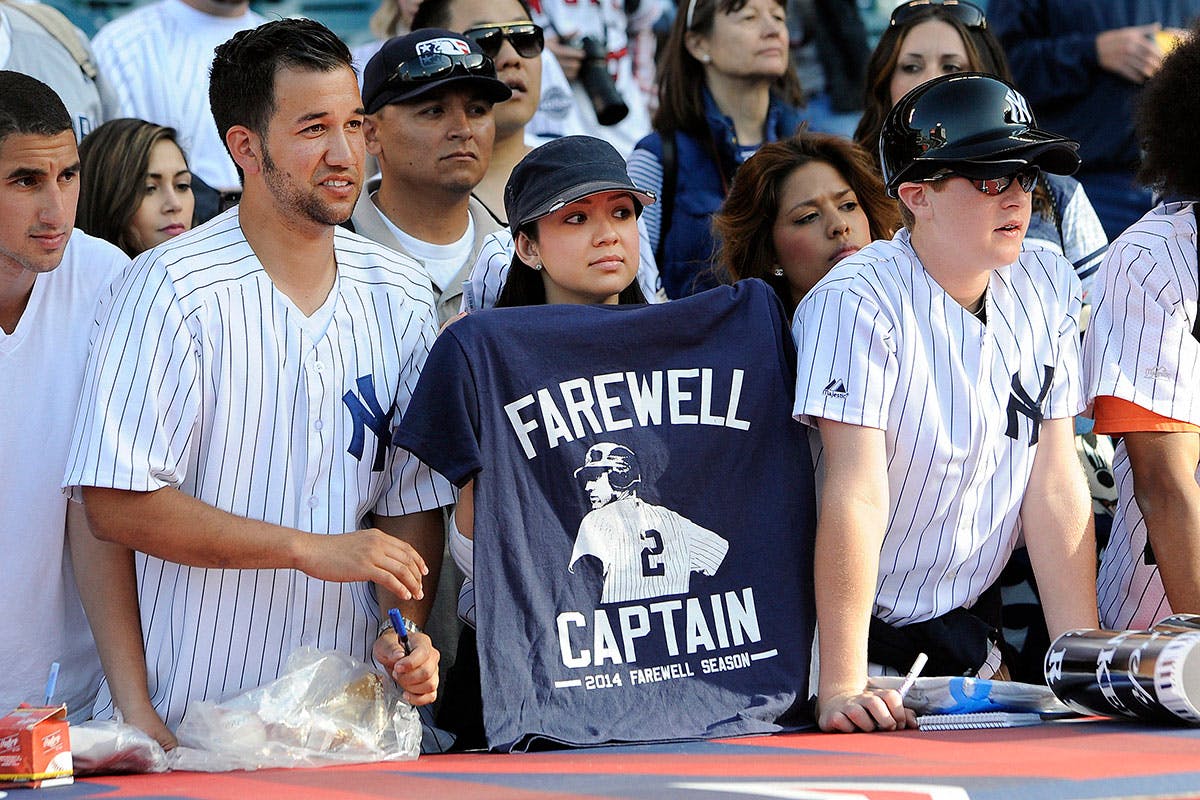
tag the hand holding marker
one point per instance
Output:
(401, 629)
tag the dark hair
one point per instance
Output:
(241, 84)
(984, 54)
(437, 13)
(30, 107)
(1167, 117)
(524, 285)
(743, 225)
(114, 160)
(681, 76)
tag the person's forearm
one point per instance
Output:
(426, 533)
(173, 526)
(1060, 533)
(845, 572)
(1173, 528)
(1165, 489)
(104, 574)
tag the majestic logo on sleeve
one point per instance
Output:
(646, 550)
(368, 414)
(1021, 404)
(835, 388)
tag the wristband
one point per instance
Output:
(386, 626)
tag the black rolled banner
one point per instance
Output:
(1151, 675)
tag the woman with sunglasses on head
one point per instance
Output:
(941, 368)
(925, 39)
(796, 208)
(726, 86)
(135, 185)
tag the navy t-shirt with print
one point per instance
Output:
(644, 515)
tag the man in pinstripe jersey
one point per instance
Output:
(241, 396)
(941, 369)
(1141, 360)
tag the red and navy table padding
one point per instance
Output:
(1061, 761)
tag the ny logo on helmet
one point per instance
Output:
(1016, 108)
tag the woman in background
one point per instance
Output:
(726, 87)
(796, 208)
(135, 186)
(924, 40)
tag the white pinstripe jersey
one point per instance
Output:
(156, 58)
(882, 345)
(1140, 348)
(207, 378)
(647, 550)
(495, 257)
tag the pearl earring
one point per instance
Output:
(705, 58)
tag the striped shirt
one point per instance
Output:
(206, 378)
(1140, 348)
(647, 550)
(157, 58)
(882, 345)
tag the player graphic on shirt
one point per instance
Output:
(646, 550)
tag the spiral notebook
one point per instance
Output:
(979, 719)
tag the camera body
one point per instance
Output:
(598, 83)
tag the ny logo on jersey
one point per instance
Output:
(1021, 404)
(369, 415)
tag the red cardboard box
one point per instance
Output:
(35, 748)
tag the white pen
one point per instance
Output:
(911, 677)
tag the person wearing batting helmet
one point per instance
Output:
(942, 371)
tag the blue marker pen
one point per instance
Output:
(401, 630)
(51, 683)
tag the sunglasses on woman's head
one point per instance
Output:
(1026, 178)
(526, 38)
(968, 14)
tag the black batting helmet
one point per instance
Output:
(616, 459)
(973, 124)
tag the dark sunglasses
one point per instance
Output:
(1027, 178)
(433, 66)
(969, 14)
(526, 38)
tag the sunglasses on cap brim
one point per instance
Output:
(525, 37)
(434, 66)
(1025, 178)
(969, 14)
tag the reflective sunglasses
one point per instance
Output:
(1027, 178)
(969, 14)
(525, 37)
(433, 66)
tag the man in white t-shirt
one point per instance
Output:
(942, 371)
(51, 280)
(433, 139)
(237, 418)
(156, 58)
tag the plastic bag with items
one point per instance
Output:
(326, 708)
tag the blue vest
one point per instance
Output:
(699, 191)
